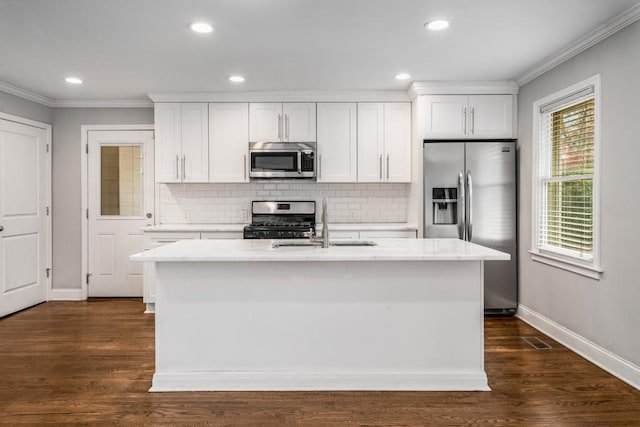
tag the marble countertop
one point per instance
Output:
(262, 250)
(400, 226)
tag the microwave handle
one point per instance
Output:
(299, 161)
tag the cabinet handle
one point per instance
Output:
(177, 167)
(387, 167)
(280, 127)
(473, 120)
(245, 167)
(380, 167)
(464, 122)
(320, 166)
(286, 126)
(184, 167)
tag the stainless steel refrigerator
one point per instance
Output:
(470, 194)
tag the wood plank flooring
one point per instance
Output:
(91, 363)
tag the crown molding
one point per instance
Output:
(25, 94)
(102, 103)
(506, 87)
(286, 96)
(602, 32)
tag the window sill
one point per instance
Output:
(574, 267)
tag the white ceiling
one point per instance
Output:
(124, 49)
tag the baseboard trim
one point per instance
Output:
(66, 295)
(318, 381)
(610, 362)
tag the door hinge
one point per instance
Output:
(87, 213)
(48, 272)
(88, 276)
(47, 148)
(86, 148)
(47, 210)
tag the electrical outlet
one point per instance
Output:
(352, 215)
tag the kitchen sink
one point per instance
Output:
(294, 243)
(352, 243)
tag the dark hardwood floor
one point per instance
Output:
(90, 363)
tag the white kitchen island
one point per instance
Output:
(406, 314)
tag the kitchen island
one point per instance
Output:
(406, 314)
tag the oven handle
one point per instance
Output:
(299, 161)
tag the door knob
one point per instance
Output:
(1, 227)
(149, 215)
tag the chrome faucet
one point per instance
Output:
(325, 223)
(324, 218)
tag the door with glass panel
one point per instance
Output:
(121, 201)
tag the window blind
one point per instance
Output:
(566, 171)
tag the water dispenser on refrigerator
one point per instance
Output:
(445, 205)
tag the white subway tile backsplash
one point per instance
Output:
(231, 203)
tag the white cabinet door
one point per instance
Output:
(491, 116)
(265, 121)
(195, 142)
(446, 116)
(168, 145)
(397, 142)
(221, 235)
(385, 234)
(228, 142)
(370, 142)
(299, 122)
(154, 240)
(343, 235)
(337, 144)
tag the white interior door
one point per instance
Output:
(121, 202)
(24, 179)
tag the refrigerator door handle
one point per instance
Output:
(461, 218)
(470, 206)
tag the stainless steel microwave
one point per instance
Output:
(282, 160)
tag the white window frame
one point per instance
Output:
(586, 266)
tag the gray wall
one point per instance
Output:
(67, 209)
(27, 109)
(606, 312)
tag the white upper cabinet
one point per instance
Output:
(337, 144)
(397, 141)
(370, 142)
(469, 116)
(182, 146)
(299, 123)
(289, 121)
(384, 142)
(492, 116)
(228, 142)
(168, 141)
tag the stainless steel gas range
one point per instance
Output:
(281, 220)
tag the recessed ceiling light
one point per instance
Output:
(201, 27)
(402, 76)
(437, 24)
(73, 80)
(236, 79)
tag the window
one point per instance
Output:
(566, 137)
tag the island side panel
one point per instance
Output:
(386, 325)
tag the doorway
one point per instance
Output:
(120, 202)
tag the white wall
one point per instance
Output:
(605, 312)
(67, 209)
